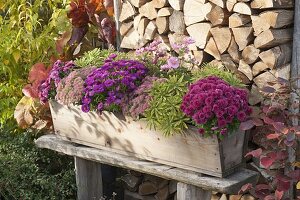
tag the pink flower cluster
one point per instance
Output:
(70, 89)
(138, 101)
(215, 105)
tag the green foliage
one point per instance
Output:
(96, 57)
(28, 30)
(27, 172)
(211, 70)
(164, 112)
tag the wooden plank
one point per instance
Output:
(230, 184)
(88, 179)
(190, 192)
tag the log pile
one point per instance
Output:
(249, 37)
(139, 186)
(147, 187)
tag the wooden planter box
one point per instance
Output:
(115, 133)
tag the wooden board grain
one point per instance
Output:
(110, 132)
(229, 185)
(88, 179)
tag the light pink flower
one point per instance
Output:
(173, 62)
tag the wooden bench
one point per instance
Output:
(191, 185)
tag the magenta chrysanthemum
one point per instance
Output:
(215, 105)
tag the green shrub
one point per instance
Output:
(211, 70)
(27, 172)
(27, 30)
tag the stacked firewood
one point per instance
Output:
(146, 187)
(249, 37)
(139, 186)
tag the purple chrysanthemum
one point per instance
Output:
(59, 70)
(107, 86)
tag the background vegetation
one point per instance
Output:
(28, 30)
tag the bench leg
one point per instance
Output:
(88, 179)
(190, 192)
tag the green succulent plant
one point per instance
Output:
(164, 112)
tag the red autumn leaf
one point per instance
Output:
(279, 194)
(279, 126)
(272, 155)
(262, 187)
(269, 197)
(268, 120)
(78, 13)
(266, 109)
(258, 122)
(267, 162)
(247, 125)
(273, 136)
(295, 175)
(283, 185)
(38, 72)
(256, 153)
(282, 155)
(245, 188)
(29, 92)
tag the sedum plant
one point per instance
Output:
(70, 89)
(97, 57)
(164, 111)
(138, 101)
